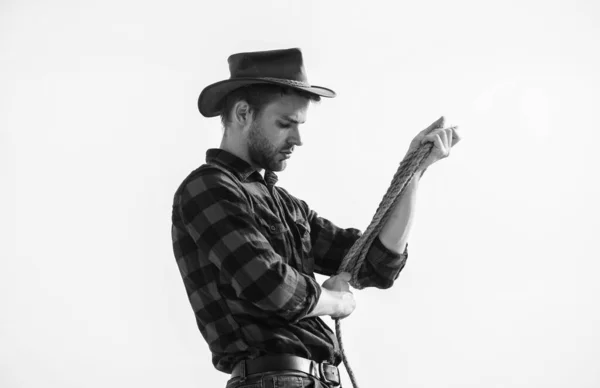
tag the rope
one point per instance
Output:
(355, 258)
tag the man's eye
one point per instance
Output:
(284, 125)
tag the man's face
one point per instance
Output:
(273, 135)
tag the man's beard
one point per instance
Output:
(262, 152)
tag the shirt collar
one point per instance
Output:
(236, 165)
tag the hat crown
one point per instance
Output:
(282, 64)
(284, 68)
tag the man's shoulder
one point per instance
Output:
(207, 177)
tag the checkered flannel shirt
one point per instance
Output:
(248, 250)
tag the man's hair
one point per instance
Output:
(258, 96)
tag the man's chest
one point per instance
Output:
(283, 223)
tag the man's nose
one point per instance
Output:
(295, 138)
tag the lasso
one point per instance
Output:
(353, 261)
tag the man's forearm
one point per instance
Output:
(394, 234)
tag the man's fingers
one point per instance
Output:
(444, 138)
(441, 144)
(449, 136)
(438, 143)
(449, 139)
(455, 136)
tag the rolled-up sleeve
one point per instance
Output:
(381, 266)
(217, 216)
(331, 244)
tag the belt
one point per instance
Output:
(273, 363)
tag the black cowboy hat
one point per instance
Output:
(280, 67)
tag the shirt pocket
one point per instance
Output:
(274, 231)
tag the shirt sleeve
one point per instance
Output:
(331, 244)
(217, 216)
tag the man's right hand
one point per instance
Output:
(340, 286)
(336, 299)
(339, 282)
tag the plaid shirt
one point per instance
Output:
(248, 250)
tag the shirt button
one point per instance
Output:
(272, 227)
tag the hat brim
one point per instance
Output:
(212, 95)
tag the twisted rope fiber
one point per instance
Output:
(356, 255)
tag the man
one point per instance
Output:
(248, 250)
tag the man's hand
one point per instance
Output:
(443, 140)
(339, 282)
(339, 286)
(336, 299)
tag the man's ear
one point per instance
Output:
(241, 113)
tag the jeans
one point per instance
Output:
(287, 379)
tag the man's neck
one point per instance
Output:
(238, 149)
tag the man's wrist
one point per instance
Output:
(331, 303)
(324, 304)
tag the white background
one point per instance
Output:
(99, 125)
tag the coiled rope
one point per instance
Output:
(354, 259)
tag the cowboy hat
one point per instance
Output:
(279, 67)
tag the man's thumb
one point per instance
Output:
(345, 276)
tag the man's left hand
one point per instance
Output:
(443, 140)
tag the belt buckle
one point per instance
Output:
(333, 370)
